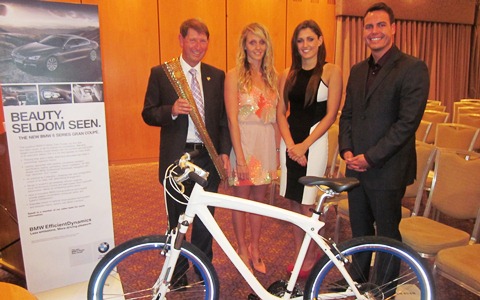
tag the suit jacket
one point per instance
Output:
(382, 123)
(157, 111)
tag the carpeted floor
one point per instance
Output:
(138, 209)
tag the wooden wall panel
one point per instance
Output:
(173, 13)
(129, 48)
(271, 13)
(129, 45)
(321, 12)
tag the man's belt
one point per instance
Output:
(194, 146)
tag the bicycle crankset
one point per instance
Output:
(278, 288)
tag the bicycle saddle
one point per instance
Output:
(338, 185)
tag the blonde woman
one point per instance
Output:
(311, 89)
(250, 99)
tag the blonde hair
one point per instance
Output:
(267, 68)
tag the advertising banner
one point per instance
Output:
(52, 97)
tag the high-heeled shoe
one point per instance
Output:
(246, 260)
(290, 268)
(258, 263)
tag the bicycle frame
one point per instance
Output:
(197, 206)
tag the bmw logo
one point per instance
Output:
(103, 247)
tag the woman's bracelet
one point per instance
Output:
(241, 165)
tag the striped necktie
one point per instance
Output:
(197, 95)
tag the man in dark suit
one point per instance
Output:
(385, 98)
(163, 108)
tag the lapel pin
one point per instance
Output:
(208, 78)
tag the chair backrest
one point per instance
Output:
(425, 158)
(458, 104)
(434, 117)
(332, 150)
(436, 107)
(455, 190)
(472, 120)
(456, 136)
(468, 110)
(470, 100)
(434, 102)
(423, 130)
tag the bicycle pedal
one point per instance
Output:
(279, 288)
(253, 297)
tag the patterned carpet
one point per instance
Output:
(138, 209)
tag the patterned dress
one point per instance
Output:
(256, 117)
(302, 121)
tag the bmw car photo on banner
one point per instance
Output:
(52, 97)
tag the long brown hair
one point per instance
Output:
(312, 86)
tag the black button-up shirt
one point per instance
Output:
(375, 67)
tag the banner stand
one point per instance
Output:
(54, 114)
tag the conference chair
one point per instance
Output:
(471, 120)
(419, 188)
(434, 117)
(436, 107)
(470, 100)
(454, 196)
(434, 102)
(456, 136)
(458, 104)
(458, 264)
(423, 130)
(467, 110)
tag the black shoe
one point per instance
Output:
(179, 283)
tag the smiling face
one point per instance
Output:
(255, 48)
(308, 43)
(378, 33)
(194, 46)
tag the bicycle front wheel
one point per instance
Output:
(381, 267)
(132, 269)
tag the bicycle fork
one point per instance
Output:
(171, 251)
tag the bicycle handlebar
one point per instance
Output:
(191, 170)
(198, 179)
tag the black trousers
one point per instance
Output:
(375, 212)
(200, 236)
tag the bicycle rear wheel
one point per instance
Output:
(393, 271)
(130, 271)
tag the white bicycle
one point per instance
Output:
(143, 268)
